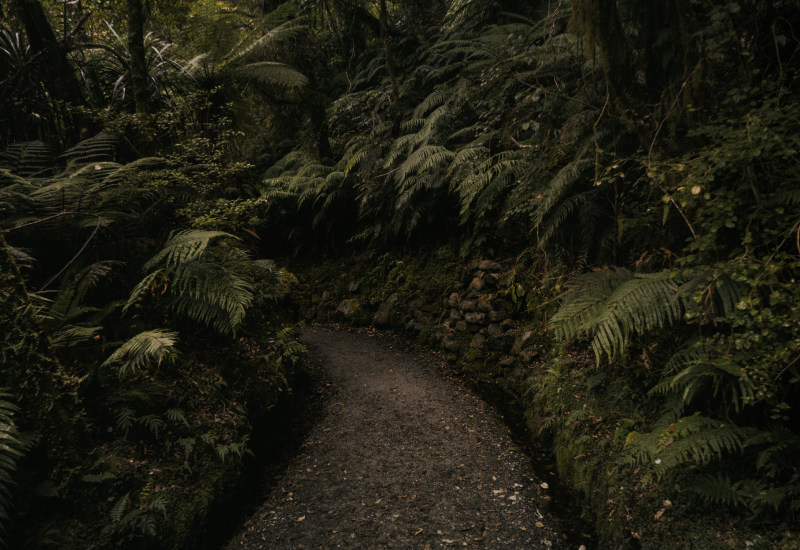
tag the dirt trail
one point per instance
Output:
(403, 458)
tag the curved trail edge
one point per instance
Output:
(404, 457)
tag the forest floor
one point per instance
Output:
(405, 456)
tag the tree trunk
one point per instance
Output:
(140, 80)
(60, 78)
(598, 23)
(391, 70)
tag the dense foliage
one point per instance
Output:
(645, 155)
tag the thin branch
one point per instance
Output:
(596, 139)
(653, 143)
(77, 26)
(101, 46)
(75, 257)
(523, 145)
(47, 219)
(669, 112)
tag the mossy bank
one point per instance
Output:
(489, 316)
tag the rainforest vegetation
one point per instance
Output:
(634, 166)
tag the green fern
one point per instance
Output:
(688, 441)
(755, 495)
(12, 449)
(205, 282)
(27, 159)
(118, 510)
(184, 247)
(270, 73)
(611, 306)
(697, 370)
(125, 419)
(151, 348)
(100, 148)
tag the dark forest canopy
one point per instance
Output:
(642, 155)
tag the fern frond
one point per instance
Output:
(152, 422)
(637, 306)
(176, 415)
(779, 444)
(718, 489)
(27, 159)
(118, 510)
(99, 148)
(73, 335)
(185, 246)
(691, 440)
(271, 73)
(148, 348)
(211, 293)
(12, 449)
(132, 169)
(558, 186)
(436, 98)
(424, 158)
(142, 287)
(259, 42)
(98, 478)
(554, 222)
(613, 304)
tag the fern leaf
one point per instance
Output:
(272, 74)
(118, 510)
(637, 306)
(27, 159)
(185, 246)
(99, 148)
(12, 449)
(583, 301)
(148, 348)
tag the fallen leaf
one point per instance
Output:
(301, 518)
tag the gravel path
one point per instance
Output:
(403, 458)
